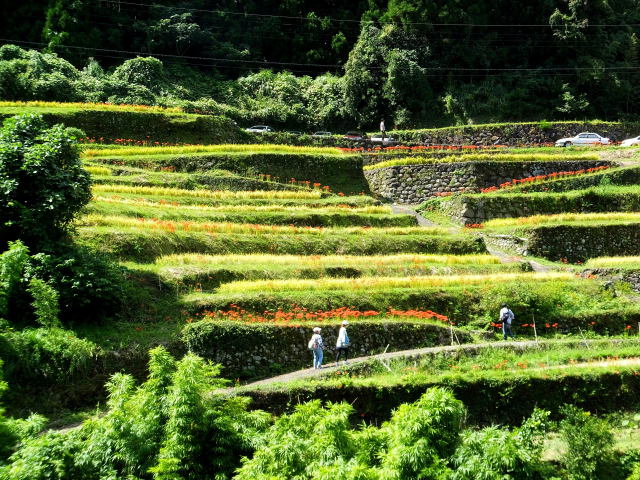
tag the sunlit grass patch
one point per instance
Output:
(223, 149)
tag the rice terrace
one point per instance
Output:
(200, 279)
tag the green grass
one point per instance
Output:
(195, 149)
(553, 358)
(16, 107)
(209, 194)
(209, 271)
(578, 219)
(623, 263)
(125, 240)
(330, 216)
(482, 157)
(386, 283)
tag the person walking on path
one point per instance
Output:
(506, 317)
(316, 345)
(342, 344)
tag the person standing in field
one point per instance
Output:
(342, 344)
(383, 130)
(506, 317)
(316, 345)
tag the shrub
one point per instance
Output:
(495, 453)
(43, 182)
(589, 444)
(44, 355)
(143, 71)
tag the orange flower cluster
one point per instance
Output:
(297, 315)
(474, 225)
(129, 141)
(539, 178)
(418, 148)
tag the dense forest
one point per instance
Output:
(303, 64)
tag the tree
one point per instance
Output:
(42, 182)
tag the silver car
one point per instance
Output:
(630, 142)
(584, 138)
(259, 129)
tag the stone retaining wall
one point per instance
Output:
(516, 133)
(575, 243)
(413, 184)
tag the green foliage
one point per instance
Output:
(316, 442)
(45, 355)
(589, 444)
(495, 453)
(143, 71)
(43, 182)
(169, 427)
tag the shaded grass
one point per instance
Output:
(209, 271)
(139, 244)
(372, 216)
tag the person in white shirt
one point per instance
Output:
(506, 317)
(316, 345)
(342, 344)
(383, 130)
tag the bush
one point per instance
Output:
(495, 453)
(43, 182)
(45, 355)
(143, 71)
(589, 445)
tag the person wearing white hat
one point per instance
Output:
(316, 345)
(342, 344)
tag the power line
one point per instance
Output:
(337, 20)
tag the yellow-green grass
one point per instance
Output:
(20, 107)
(387, 283)
(189, 210)
(95, 170)
(565, 218)
(331, 216)
(209, 194)
(632, 262)
(553, 358)
(333, 200)
(115, 221)
(224, 149)
(483, 157)
(208, 271)
(304, 261)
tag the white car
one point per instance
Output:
(259, 129)
(377, 139)
(321, 134)
(630, 142)
(583, 139)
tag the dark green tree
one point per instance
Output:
(42, 182)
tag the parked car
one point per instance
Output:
(377, 139)
(321, 134)
(354, 136)
(630, 142)
(584, 138)
(259, 129)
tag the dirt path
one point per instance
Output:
(508, 258)
(417, 353)
(403, 354)
(406, 210)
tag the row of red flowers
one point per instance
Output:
(147, 142)
(300, 314)
(539, 178)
